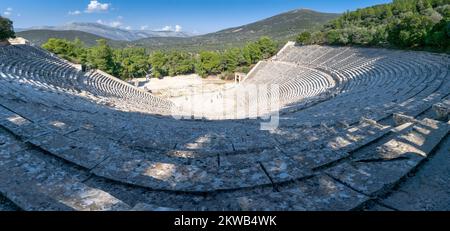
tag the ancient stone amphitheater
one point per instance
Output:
(359, 129)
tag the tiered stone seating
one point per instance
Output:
(88, 141)
(294, 82)
(40, 69)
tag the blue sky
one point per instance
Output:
(199, 16)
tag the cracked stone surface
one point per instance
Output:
(168, 174)
(391, 160)
(46, 186)
(372, 178)
(316, 194)
(73, 150)
(429, 188)
(279, 167)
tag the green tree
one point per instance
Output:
(379, 35)
(361, 36)
(337, 37)
(180, 63)
(101, 57)
(159, 61)
(232, 59)
(252, 53)
(6, 29)
(403, 23)
(317, 37)
(209, 62)
(73, 51)
(62, 47)
(133, 62)
(267, 46)
(411, 31)
(439, 36)
(80, 51)
(304, 38)
(387, 13)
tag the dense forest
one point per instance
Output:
(405, 24)
(136, 62)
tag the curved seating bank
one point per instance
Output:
(354, 123)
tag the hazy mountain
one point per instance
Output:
(112, 33)
(281, 27)
(39, 37)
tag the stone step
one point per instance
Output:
(33, 181)
(355, 137)
(429, 188)
(378, 169)
(320, 193)
(19, 125)
(107, 159)
(154, 171)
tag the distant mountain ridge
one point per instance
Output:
(39, 37)
(111, 33)
(280, 27)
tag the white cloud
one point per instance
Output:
(96, 6)
(144, 27)
(8, 11)
(116, 24)
(167, 28)
(177, 28)
(76, 12)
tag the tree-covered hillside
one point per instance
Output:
(408, 24)
(281, 28)
(137, 62)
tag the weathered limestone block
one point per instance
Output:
(387, 163)
(429, 188)
(40, 184)
(209, 143)
(312, 159)
(157, 172)
(400, 119)
(19, 125)
(320, 193)
(442, 110)
(276, 164)
(357, 136)
(372, 178)
(86, 152)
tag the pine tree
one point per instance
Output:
(6, 29)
